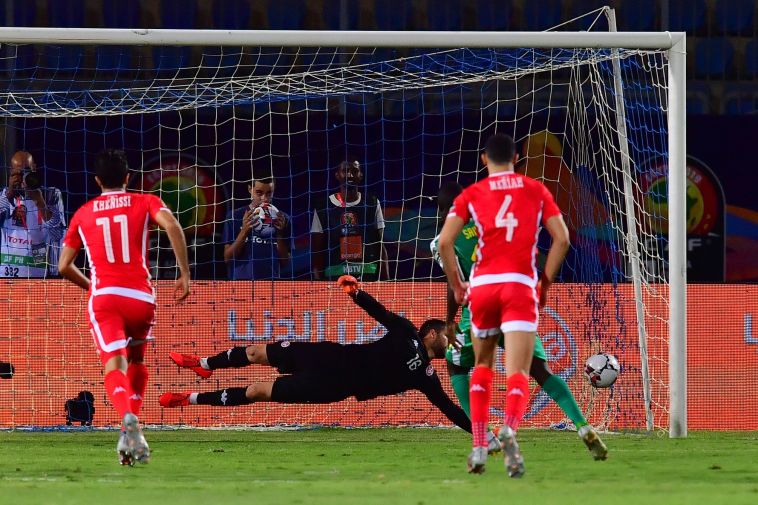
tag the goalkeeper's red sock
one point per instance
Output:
(137, 375)
(516, 399)
(479, 398)
(118, 389)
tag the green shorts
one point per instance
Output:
(464, 357)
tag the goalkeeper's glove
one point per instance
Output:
(349, 284)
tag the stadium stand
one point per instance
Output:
(540, 16)
(231, 14)
(332, 15)
(638, 16)
(698, 98)
(18, 13)
(392, 14)
(286, 15)
(750, 67)
(493, 15)
(713, 58)
(444, 16)
(688, 16)
(740, 98)
(734, 17)
(121, 14)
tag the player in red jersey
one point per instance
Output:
(503, 290)
(113, 228)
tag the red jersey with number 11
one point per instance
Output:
(113, 228)
(508, 209)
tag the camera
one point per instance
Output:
(80, 409)
(32, 179)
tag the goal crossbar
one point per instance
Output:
(315, 38)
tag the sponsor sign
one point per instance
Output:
(46, 338)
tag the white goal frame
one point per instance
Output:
(674, 43)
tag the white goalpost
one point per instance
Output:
(585, 77)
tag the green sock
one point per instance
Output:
(558, 390)
(460, 386)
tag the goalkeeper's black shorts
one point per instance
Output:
(316, 372)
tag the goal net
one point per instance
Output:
(198, 124)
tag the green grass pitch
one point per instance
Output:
(377, 466)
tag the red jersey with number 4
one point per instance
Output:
(113, 228)
(508, 210)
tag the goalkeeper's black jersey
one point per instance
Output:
(396, 363)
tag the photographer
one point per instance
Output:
(31, 219)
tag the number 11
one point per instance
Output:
(106, 224)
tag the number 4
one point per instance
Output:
(505, 219)
(106, 224)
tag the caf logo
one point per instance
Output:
(188, 187)
(349, 219)
(349, 222)
(702, 198)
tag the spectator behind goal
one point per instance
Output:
(31, 220)
(257, 235)
(347, 230)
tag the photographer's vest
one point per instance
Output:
(352, 239)
(23, 252)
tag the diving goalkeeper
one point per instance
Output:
(327, 372)
(460, 354)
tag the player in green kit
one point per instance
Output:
(460, 356)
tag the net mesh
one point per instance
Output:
(199, 123)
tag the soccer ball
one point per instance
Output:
(602, 370)
(266, 213)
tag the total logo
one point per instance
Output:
(257, 240)
(18, 240)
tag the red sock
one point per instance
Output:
(479, 398)
(137, 375)
(516, 399)
(119, 391)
